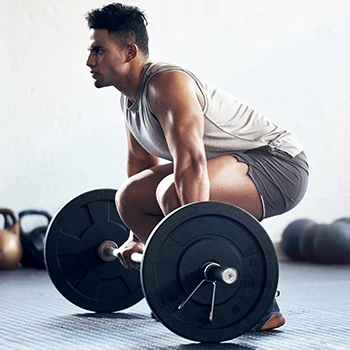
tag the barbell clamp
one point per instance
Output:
(213, 272)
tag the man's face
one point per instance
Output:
(105, 59)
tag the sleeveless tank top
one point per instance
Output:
(229, 124)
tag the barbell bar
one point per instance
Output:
(212, 272)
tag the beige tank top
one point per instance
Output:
(229, 124)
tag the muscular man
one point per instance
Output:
(215, 146)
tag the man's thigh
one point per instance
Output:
(139, 191)
(281, 180)
(231, 183)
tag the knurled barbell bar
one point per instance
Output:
(209, 270)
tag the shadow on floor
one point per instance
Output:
(119, 315)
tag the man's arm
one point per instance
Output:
(176, 101)
(138, 159)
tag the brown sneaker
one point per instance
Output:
(272, 319)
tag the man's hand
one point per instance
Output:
(132, 245)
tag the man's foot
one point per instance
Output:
(272, 319)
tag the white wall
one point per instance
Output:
(61, 136)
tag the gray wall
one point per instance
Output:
(61, 136)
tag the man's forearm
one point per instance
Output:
(192, 185)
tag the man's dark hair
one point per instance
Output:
(127, 22)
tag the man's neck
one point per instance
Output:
(132, 83)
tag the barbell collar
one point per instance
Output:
(214, 272)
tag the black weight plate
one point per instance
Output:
(72, 260)
(171, 269)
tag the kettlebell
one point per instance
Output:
(33, 241)
(10, 244)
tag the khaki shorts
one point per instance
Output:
(280, 179)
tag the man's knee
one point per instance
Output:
(127, 196)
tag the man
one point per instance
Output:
(217, 147)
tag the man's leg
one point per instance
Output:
(136, 200)
(229, 182)
(145, 198)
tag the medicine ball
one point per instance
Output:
(347, 220)
(332, 244)
(306, 242)
(291, 236)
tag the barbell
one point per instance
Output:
(209, 270)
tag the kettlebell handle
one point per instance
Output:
(33, 212)
(10, 220)
(6, 213)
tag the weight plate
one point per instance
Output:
(172, 266)
(71, 254)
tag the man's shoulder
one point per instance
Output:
(165, 69)
(156, 67)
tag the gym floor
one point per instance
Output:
(314, 299)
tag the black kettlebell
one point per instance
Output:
(33, 241)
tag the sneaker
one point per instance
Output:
(271, 320)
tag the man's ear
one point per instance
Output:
(131, 52)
